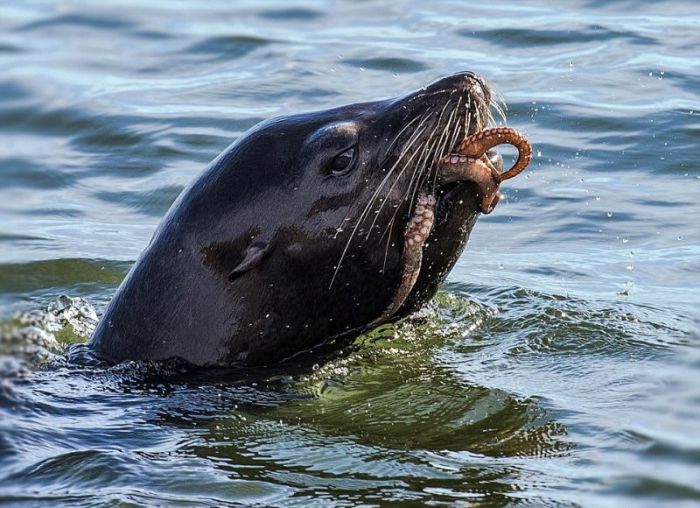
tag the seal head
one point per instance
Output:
(294, 235)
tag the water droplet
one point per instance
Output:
(610, 214)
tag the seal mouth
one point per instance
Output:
(435, 146)
(455, 141)
(459, 148)
(447, 139)
(452, 138)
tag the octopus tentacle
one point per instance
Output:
(415, 235)
(468, 163)
(476, 145)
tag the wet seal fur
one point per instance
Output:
(293, 236)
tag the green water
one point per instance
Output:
(559, 365)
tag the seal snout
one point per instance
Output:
(466, 82)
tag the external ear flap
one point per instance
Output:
(253, 256)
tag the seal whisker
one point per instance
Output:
(427, 147)
(386, 250)
(467, 118)
(498, 103)
(416, 134)
(398, 177)
(467, 109)
(396, 138)
(451, 127)
(391, 146)
(457, 127)
(457, 119)
(441, 145)
(419, 170)
(435, 144)
(416, 179)
(376, 193)
(446, 148)
(499, 111)
(393, 185)
(477, 114)
(425, 151)
(455, 133)
(412, 139)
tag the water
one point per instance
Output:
(559, 366)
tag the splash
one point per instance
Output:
(39, 334)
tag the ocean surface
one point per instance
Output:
(560, 363)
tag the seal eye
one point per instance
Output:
(341, 164)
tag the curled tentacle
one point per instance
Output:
(476, 145)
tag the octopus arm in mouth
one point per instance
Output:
(416, 233)
(469, 164)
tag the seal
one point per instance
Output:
(313, 228)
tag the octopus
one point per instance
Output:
(469, 162)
